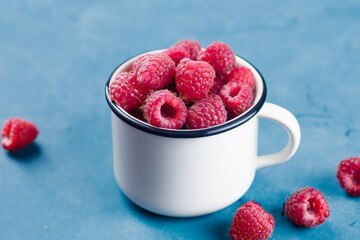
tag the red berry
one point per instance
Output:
(219, 82)
(251, 221)
(154, 71)
(237, 96)
(220, 56)
(207, 112)
(193, 79)
(307, 207)
(17, 133)
(192, 47)
(163, 109)
(243, 74)
(176, 53)
(349, 175)
(126, 91)
(138, 62)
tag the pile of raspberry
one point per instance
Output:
(185, 87)
(306, 207)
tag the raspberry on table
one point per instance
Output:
(154, 71)
(17, 133)
(243, 74)
(237, 96)
(307, 207)
(207, 112)
(220, 56)
(348, 174)
(163, 109)
(193, 79)
(126, 91)
(251, 221)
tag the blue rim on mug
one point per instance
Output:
(185, 133)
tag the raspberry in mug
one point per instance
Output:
(203, 88)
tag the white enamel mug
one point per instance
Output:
(185, 173)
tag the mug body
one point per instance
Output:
(184, 176)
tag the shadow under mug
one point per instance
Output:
(186, 173)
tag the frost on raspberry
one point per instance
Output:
(165, 110)
(126, 92)
(348, 174)
(251, 221)
(307, 207)
(220, 56)
(237, 96)
(244, 75)
(207, 112)
(154, 71)
(17, 133)
(194, 79)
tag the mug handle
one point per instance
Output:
(288, 121)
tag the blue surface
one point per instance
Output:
(55, 57)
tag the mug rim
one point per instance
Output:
(185, 133)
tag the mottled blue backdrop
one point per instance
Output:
(55, 57)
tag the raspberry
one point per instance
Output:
(176, 53)
(243, 74)
(138, 62)
(193, 79)
(154, 71)
(163, 109)
(207, 112)
(219, 82)
(237, 96)
(126, 92)
(192, 47)
(220, 56)
(348, 175)
(251, 221)
(307, 207)
(18, 133)
(171, 86)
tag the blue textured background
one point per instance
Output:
(55, 57)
